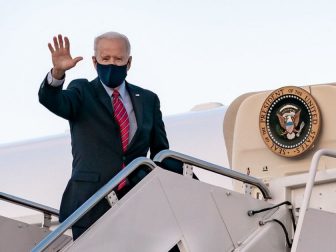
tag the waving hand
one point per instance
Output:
(61, 57)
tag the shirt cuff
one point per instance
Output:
(54, 82)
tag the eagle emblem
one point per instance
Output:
(289, 119)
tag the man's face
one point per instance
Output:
(112, 51)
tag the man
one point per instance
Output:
(112, 122)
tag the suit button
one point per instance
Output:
(124, 158)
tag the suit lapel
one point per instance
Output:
(137, 102)
(103, 97)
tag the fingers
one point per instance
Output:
(56, 46)
(60, 41)
(77, 59)
(51, 49)
(67, 43)
(61, 52)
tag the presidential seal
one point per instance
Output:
(289, 121)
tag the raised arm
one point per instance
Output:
(64, 103)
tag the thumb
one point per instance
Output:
(77, 59)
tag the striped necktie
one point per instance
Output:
(121, 116)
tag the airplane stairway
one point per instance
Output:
(316, 228)
(166, 209)
(318, 231)
(17, 236)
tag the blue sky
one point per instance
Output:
(188, 52)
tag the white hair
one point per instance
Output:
(113, 35)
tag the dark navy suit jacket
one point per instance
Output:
(95, 138)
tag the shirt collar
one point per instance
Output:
(121, 89)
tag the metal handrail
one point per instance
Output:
(308, 191)
(29, 204)
(214, 168)
(92, 201)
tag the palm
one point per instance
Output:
(62, 60)
(60, 53)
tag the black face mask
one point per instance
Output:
(112, 75)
